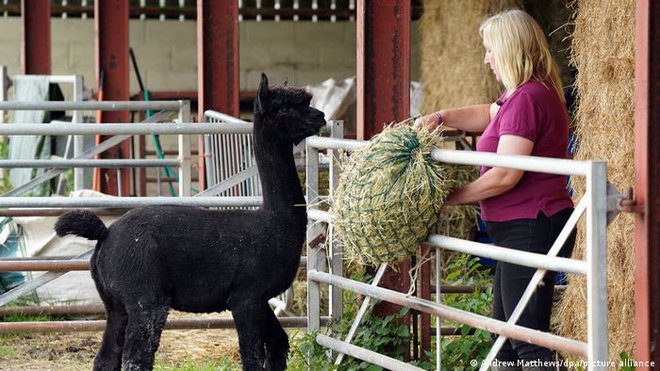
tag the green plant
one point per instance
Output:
(390, 335)
(627, 363)
(5, 185)
(307, 354)
(471, 344)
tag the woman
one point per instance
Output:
(522, 210)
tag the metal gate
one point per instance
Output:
(593, 205)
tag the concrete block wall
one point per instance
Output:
(166, 52)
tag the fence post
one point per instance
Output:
(313, 287)
(596, 237)
(185, 177)
(335, 249)
(78, 140)
(4, 85)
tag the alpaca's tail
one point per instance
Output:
(81, 223)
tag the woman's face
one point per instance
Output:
(490, 61)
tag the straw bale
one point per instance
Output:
(454, 75)
(603, 52)
(452, 53)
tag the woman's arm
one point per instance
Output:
(470, 118)
(496, 180)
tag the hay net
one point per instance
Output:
(389, 195)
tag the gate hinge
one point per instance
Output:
(616, 203)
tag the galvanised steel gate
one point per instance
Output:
(593, 205)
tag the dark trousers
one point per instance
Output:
(537, 236)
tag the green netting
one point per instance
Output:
(389, 195)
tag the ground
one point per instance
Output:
(73, 351)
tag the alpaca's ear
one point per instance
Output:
(262, 92)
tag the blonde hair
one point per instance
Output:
(520, 50)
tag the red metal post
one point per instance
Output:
(113, 84)
(36, 37)
(383, 89)
(383, 64)
(647, 182)
(217, 60)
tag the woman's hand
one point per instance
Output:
(430, 122)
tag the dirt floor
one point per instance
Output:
(75, 350)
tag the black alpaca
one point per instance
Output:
(199, 260)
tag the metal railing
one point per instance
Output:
(76, 130)
(593, 205)
(57, 267)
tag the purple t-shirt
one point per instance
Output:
(532, 111)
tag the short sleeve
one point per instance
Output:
(518, 116)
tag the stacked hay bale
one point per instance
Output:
(604, 54)
(453, 74)
(452, 54)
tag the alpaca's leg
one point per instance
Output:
(145, 325)
(264, 344)
(109, 356)
(277, 342)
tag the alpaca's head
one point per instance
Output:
(283, 114)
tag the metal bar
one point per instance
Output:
(527, 259)
(646, 155)
(527, 163)
(336, 249)
(438, 301)
(51, 266)
(534, 282)
(185, 170)
(596, 241)
(4, 86)
(173, 324)
(335, 143)
(224, 118)
(361, 312)
(77, 202)
(55, 212)
(230, 182)
(60, 264)
(319, 215)
(33, 284)
(218, 56)
(313, 229)
(122, 129)
(52, 310)
(53, 173)
(477, 321)
(365, 354)
(82, 163)
(36, 37)
(78, 140)
(117, 105)
(383, 64)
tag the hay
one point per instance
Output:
(603, 52)
(389, 195)
(454, 75)
(452, 53)
(459, 220)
